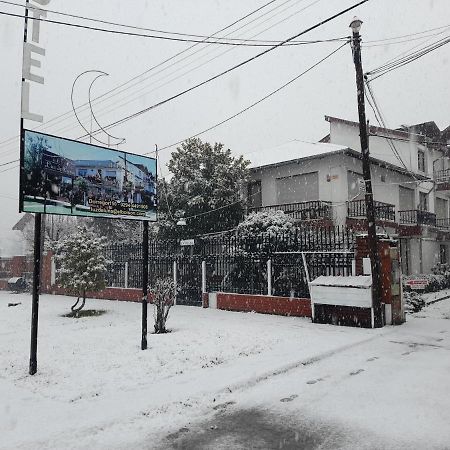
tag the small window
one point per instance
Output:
(443, 257)
(421, 160)
(383, 178)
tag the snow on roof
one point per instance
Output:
(291, 151)
(361, 281)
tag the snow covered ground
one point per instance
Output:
(221, 380)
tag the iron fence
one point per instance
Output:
(235, 263)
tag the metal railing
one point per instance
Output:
(443, 224)
(383, 211)
(315, 209)
(442, 176)
(417, 217)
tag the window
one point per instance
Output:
(421, 160)
(254, 196)
(441, 208)
(407, 201)
(298, 188)
(443, 254)
(423, 201)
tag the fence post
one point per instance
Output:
(269, 277)
(175, 281)
(126, 275)
(203, 277)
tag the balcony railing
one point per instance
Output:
(443, 224)
(302, 211)
(383, 211)
(442, 176)
(417, 217)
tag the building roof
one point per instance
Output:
(296, 151)
(403, 134)
(421, 132)
(291, 151)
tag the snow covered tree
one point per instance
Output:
(163, 293)
(271, 222)
(206, 183)
(82, 264)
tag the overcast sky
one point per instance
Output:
(415, 93)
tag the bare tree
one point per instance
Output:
(163, 293)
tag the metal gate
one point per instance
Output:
(189, 280)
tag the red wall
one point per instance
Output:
(300, 307)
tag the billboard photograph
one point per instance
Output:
(60, 176)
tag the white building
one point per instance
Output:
(323, 182)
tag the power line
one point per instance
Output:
(166, 82)
(408, 35)
(9, 162)
(259, 42)
(173, 97)
(409, 58)
(106, 94)
(257, 102)
(148, 36)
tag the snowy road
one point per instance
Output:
(222, 380)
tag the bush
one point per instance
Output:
(414, 301)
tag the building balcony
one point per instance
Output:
(356, 209)
(301, 211)
(442, 179)
(443, 224)
(417, 217)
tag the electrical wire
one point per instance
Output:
(9, 162)
(402, 61)
(113, 108)
(107, 93)
(205, 39)
(179, 94)
(149, 36)
(292, 80)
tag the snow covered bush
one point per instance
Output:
(436, 281)
(270, 222)
(163, 297)
(414, 301)
(82, 264)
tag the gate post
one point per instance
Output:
(269, 277)
(126, 275)
(174, 268)
(203, 277)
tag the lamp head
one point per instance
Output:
(181, 222)
(355, 24)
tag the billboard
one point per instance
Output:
(61, 176)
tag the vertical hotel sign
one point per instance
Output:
(32, 55)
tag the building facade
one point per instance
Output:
(323, 182)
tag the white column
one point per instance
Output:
(126, 275)
(269, 277)
(203, 277)
(175, 281)
(53, 272)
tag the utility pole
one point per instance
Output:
(370, 209)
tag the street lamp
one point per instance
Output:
(355, 25)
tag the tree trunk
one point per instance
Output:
(74, 307)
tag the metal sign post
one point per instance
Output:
(35, 293)
(144, 285)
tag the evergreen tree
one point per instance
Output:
(205, 188)
(82, 264)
